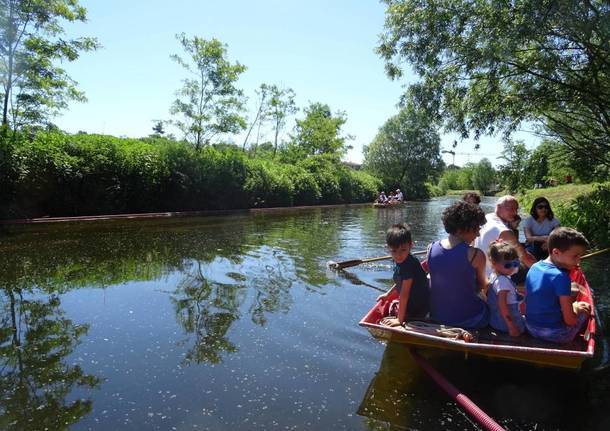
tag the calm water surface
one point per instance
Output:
(233, 323)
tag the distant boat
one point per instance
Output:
(395, 204)
(490, 343)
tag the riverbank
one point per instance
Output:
(585, 207)
(55, 174)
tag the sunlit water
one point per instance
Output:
(233, 323)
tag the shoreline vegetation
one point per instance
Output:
(54, 174)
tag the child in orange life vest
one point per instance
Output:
(410, 280)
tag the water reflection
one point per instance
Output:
(232, 323)
(36, 380)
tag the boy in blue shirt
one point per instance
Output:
(410, 280)
(551, 313)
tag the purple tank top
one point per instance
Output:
(453, 296)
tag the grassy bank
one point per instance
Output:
(585, 207)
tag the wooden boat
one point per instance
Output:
(388, 204)
(490, 343)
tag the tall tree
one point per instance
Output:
(514, 173)
(209, 103)
(405, 152)
(281, 105)
(319, 132)
(31, 43)
(262, 92)
(489, 65)
(483, 176)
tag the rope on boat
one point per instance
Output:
(466, 403)
(440, 330)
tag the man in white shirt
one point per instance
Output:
(497, 228)
(399, 196)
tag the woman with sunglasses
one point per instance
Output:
(502, 297)
(538, 227)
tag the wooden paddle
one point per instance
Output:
(356, 262)
(595, 253)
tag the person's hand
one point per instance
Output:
(390, 321)
(581, 307)
(382, 297)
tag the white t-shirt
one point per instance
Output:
(490, 232)
(502, 282)
(540, 229)
(399, 196)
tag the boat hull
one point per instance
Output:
(493, 345)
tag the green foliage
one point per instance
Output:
(59, 174)
(589, 214)
(434, 190)
(320, 131)
(483, 176)
(405, 152)
(514, 173)
(32, 42)
(280, 104)
(208, 102)
(487, 65)
(457, 179)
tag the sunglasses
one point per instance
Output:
(542, 207)
(511, 264)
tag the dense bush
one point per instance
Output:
(590, 214)
(57, 174)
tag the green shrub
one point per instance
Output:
(58, 174)
(590, 214)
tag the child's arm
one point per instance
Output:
(570, 310)
(403, 301)
(513, 331)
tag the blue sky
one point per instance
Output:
(323, 50)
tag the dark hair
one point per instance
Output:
(502, 250)
(541, 200)
(563, 238)
(398, 234)
(462, 216)
(472, 197)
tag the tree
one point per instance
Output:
(158, 129)
(262, 93)
(483, 176)
(320, 131)
(34, 88)
(281, 105)
(514, 173)
(405, 152)
(208, 102)
(489, 65)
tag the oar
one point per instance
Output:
(595, 253)
(355, 262)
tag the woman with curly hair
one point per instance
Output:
(457, 270)
(538, 226)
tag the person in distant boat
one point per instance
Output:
(551, 313)
(497, 226)
(382, 198)
(410, 281)
(538, 226)
(472, 197)
(391, 197)
(399, 197)
(502, 297)
(457, 270)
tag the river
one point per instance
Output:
(234, 323)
